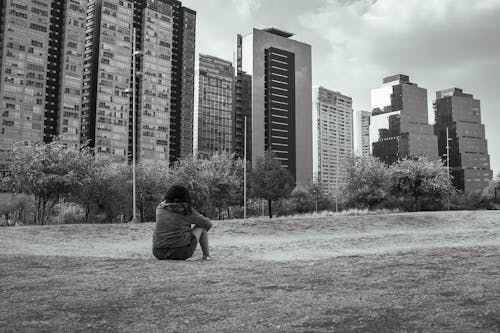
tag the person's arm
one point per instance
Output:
(200, 220)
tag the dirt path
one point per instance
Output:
(275, 240)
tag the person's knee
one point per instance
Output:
(199, 232)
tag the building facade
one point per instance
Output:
(460, 113)
(332, 137)
(182, 88)
(242, 107)
(281, 115)
(399, 125)
(108, 62)
(361, 133)
(214, 106)
(41, 60)
(164, 79)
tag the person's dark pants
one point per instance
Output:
(176, 253)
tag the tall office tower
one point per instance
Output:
(41, 57)
(164, 30)
(154, 38)
(182, 90)
(242, 107)
(281, 98)
(361, 133)
(399, 125)
(332, 137)
(105, 104)
(469, 159)
(213, 124)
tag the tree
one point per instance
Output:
(302, 201)
(223, 174)
(420, 181)
(153, 182)
(189, 172)
(366, 183)
(214, 182)
(48, 172)
(270, 181)
(491, 193)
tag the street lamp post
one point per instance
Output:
(448, 161)
(135, 54)
(245, 170)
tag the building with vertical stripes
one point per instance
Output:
(281, 98)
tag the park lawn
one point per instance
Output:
(419, 272)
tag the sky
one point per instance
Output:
(355, 43)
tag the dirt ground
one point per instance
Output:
(419, 272)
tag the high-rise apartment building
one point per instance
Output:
(399, 125)
(182, 89)
(242, 106)
(41, 59)
(332, 137)
(281, 115)
(361, 133)
(460, 113)
(213, 125)
(108, 63)
(164, 80)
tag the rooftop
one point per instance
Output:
(278, 32)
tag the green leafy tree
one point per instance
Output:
(491, 193)
(366, 184)
(105, 194)
(419, 183)
(270, 181)
(152, 183)
(48, 172)
(302, 200)
(223, 174)
(189, 172)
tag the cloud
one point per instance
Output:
(246, 7)
(355, 43)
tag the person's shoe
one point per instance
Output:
(206, 258)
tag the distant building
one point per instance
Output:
(469, 159)
(242, 106)
(214, 106)
(165, 80)
(361, 133)
(41, 64)
(332, 137)
(280, 68)
(399, 125)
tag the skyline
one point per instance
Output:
(352, 55)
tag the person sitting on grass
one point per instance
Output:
(173, 237)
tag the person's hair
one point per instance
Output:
(179, 194)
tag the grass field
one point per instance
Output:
(419, 272)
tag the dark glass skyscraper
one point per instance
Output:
(460, 113)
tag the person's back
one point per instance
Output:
(173, 237)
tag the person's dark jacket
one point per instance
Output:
(173, 226)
